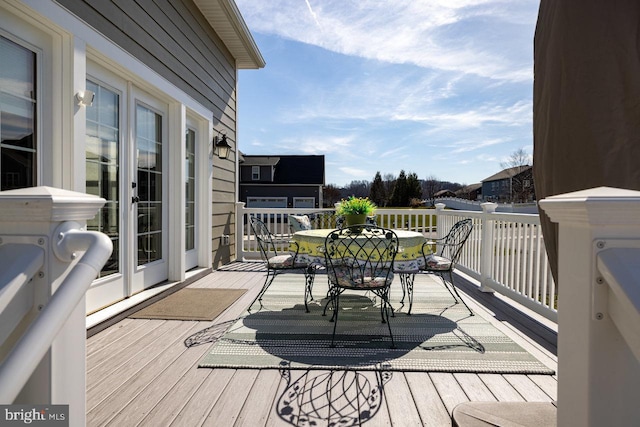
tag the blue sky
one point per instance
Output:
(441, 88)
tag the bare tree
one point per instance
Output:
(430, 187)
(330, 195)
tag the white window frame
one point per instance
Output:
(22, 29)
(255, 173)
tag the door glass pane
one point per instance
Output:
(149, 185)
(102, 167)
(190, 195)
(17, 116)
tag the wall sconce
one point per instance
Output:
(221, 146)
(85, 98)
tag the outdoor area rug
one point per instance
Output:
(191, 304)
(439, 336)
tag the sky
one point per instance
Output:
(439, 88)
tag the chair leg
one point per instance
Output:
(271, 274)
(386, 305)
(331, 295)
(456, 292)
(403, 283)
(407, 281)
(334, 318)
(309, 276)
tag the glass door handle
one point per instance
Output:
(135, 199)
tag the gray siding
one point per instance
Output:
(174, 39)
(246, 174)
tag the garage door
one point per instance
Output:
(266, 202)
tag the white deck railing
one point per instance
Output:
(505, 251)
(47, 263)
(599, 334)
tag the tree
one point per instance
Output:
(430, 187)
(356, 189)
(518, 167)
(378, 193)
(399, 193)
(389, 181)
(330, 195)
(414, 189)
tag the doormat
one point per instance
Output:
(191, 304)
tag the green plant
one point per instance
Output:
(356, 206)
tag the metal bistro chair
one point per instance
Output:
(443, 262)
(360, 258)
(279, 262)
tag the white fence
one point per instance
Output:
(505, 251)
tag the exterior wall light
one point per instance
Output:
(84, 98)
(221, 146)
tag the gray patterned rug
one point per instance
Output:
(439, 336)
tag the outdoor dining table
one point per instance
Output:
(408, 260)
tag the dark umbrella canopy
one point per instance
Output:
(586, 112)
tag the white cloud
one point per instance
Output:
(462, 36)
(436, 87)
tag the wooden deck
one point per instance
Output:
(140, 372)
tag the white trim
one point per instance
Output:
(174, 149)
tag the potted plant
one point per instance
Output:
(356, 210)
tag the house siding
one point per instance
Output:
(173, 38)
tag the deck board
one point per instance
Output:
(501, 388)
(145, 372)
(262, 395)
(448, 389)
(398, 395)
(527, 388)
(227, 408)
(427, 400)
(474, 387)
(205, 397)
(139, 376)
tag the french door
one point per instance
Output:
(126, 134)
(148, 201)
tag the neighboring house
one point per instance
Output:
(444, 193)
(281, 181)
(122, 100)
(511, 185)
(470, 192)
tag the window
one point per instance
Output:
(17, 116)
(190, 190)
(102, 166)
(255, 173)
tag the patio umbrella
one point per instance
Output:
(586, 110)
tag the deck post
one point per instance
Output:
(598, 374)
(240, 231)
(486, 252)
(41, 216)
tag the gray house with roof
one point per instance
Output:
(291, 181)
(513, 184)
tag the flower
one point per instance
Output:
(356, 206)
